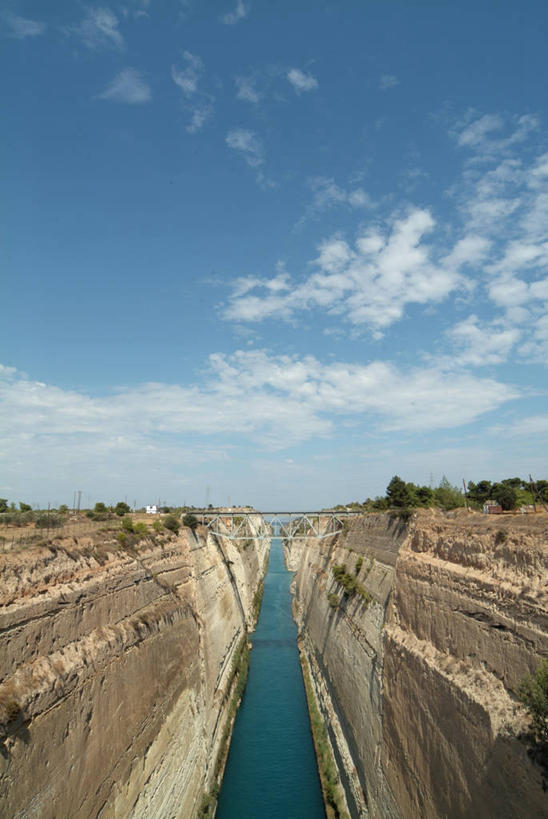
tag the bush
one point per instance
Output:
(127, 524)
(48, 521)
(333, 600)
(191, 521)
(140, 528)
(170, 522)
(533, 693)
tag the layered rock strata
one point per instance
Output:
(116, 671)
(416, 651)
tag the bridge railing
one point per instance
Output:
(241, 525)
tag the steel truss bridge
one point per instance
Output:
(246, 524)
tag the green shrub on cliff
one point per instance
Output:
(191, 521)
(171, 522)
(533, 693)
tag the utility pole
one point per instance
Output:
(532, 487)
(79, 498)
(465, 495)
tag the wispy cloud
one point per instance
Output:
(239, 13)
(246, 89)
(482, 133)
(99, 29)
(301, 81)
(273, 401)
(188, 76)
(200, 103)
(128, 86)
(247, 144)
(388, 81)
(22, 27)
(327, 194)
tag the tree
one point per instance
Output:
(505, 495)
(100, 507)
(425, 495)
(3, 504)
(25, 507)
(122, 509)
(479, 492)
(397, 492)
(448, 496)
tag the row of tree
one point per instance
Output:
(510, 493)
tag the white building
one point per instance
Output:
(152, 510)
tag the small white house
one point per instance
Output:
(152, 510)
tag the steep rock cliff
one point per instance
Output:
(416, 669)
(116, 669)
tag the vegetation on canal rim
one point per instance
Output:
(239, 670)
(327, 769)
(405, 496)
(533, 693)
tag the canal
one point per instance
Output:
(271, 770)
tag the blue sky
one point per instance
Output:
(271, 252)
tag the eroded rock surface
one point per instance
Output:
(416, 671)
(116, 668)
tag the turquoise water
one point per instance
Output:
(271, 771)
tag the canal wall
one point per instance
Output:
(117, 670)
(415, 668)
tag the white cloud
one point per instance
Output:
(129, 87)
(187, 77)
(475, 133)
(533, 426)
(481, 345)
(388, 81)
(368, 283)
(199, 103)
(22, 27)
(327, 194)
(274, 401)
(240, 12)
(301, 81)
(99, 29)
(248, 144)
(200, 115)
(246, 89)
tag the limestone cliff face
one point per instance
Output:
(115, 669)
(416, 670)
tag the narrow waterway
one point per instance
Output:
(271, 771)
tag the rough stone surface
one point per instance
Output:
(115, 668)
(416, 676)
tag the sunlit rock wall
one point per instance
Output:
(417, 674)
(115, 668)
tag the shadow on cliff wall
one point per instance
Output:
(511, 780)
